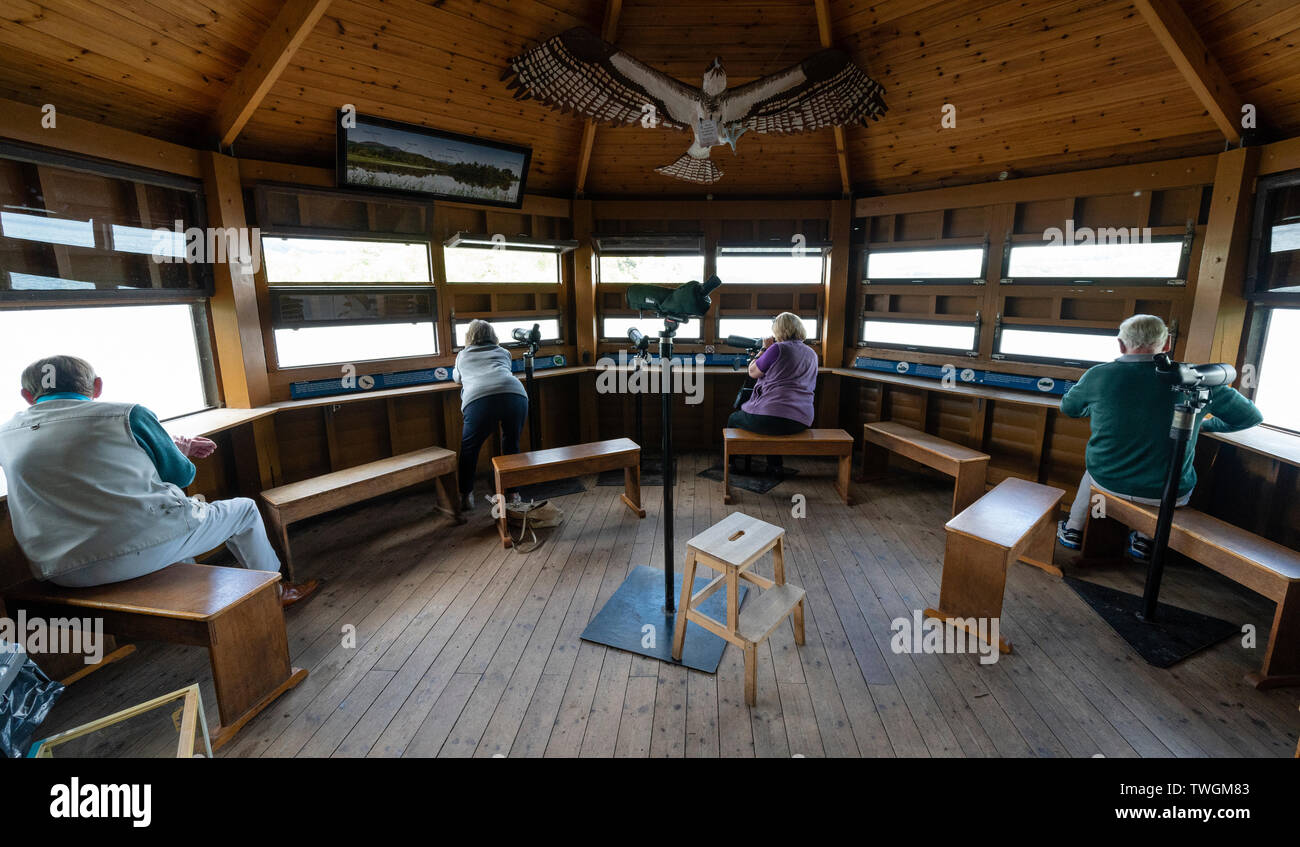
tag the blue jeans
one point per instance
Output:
(482, 417)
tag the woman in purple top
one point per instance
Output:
(786, 370)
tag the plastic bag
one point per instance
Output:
(26, 695)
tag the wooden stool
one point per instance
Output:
(731, 547)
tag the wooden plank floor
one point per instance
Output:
(428, 639)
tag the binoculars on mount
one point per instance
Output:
(751, 346)
(528, 336)
(681, 303)
(1185, 377)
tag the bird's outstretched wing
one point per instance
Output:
(577, 71)
(826, 89)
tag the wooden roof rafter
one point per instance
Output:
(1179, 36)
(295, 21)
(608, 31)
(822, 8)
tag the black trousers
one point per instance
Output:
(766, 425)
(482, 417)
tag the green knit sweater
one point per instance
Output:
(1132, 411)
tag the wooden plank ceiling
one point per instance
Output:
(1038, 85)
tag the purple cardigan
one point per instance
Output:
(785, 390)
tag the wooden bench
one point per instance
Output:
(1263, 566)
(233, 612)
(1014, 521)
(968, 467)
(810, 442)
(315, 496)
(564, 462)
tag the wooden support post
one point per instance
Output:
(235, 320)
(1218, 309)
(584, 288)
(837, 285)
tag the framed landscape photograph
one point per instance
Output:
(379, 154)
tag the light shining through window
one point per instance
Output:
(1066, 346)
(1147, 260)
(964, 264)
(1276, 394)
(919, 335)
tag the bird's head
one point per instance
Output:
(715, 78)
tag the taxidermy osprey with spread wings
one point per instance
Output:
(577, 71)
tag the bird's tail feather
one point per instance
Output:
(691, 169)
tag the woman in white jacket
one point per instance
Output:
(490, 396)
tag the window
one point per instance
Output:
(77, 229)
(349, 300)
(616, 328)
(790, 264)
(477, 264)
(1275, 393)
(549, 327)
(1064, 347)
(651, 270)
(758, 328)
(327, 260)
(1275, 237)
(1158, 261)
(920, 336)
(941, 264)
(154, 355)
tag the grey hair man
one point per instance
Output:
(96, 488)
(1131, 410)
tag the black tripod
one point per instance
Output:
(533, 338)
(1190, 407)
(1162, 634)
(650, 466)
(666, 450)
(638, 618)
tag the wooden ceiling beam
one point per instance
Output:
(822, 7)
(1179, 37)
(608, 31)
(296, 20)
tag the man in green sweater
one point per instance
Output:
(1132, 410)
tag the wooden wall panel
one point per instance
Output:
(359, 432)
(304, 448)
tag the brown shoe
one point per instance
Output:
(292, 592)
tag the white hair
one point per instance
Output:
(1143, 334)
(787, 326)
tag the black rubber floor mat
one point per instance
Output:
(1175, 635)
(555, 488)
(758, 482)
(652, 473)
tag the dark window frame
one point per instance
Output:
(1060, 361)
(40, 156)
(933, 248)
(928, 320)
(1180, 280)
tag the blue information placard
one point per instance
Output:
(966, 376)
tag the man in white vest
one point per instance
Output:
(95, 488)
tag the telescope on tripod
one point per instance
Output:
(636, 605)
(533, 338)
(1160, 633)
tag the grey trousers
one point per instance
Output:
(235, 523)
(1083, 499)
